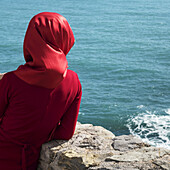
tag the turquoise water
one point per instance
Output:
(121, 54)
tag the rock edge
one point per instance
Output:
(94, 147)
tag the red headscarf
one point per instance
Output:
(47, 41)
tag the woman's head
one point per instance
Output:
(47, 41)
(53, 29)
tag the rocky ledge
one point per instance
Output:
(93, 147)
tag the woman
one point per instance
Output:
(40, 100)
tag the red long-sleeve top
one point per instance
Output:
(31, 115)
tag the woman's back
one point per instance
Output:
(31, 115)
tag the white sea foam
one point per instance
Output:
(140, 106)
(167, 111)
(151, 128)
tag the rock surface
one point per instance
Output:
(93, 147)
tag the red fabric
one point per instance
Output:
(41, 99)
(47, 41)
(30, 114)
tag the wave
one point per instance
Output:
(151, 127)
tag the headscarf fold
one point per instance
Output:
(47, 41)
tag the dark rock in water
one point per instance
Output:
(93, 147)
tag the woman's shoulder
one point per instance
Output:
(71, 73)
(10, 78)
(71, 80)
(4, 76)
(8, 75)
(7, 80)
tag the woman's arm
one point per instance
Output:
(4, 87)
(68, 122)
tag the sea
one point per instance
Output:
(121, 54)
